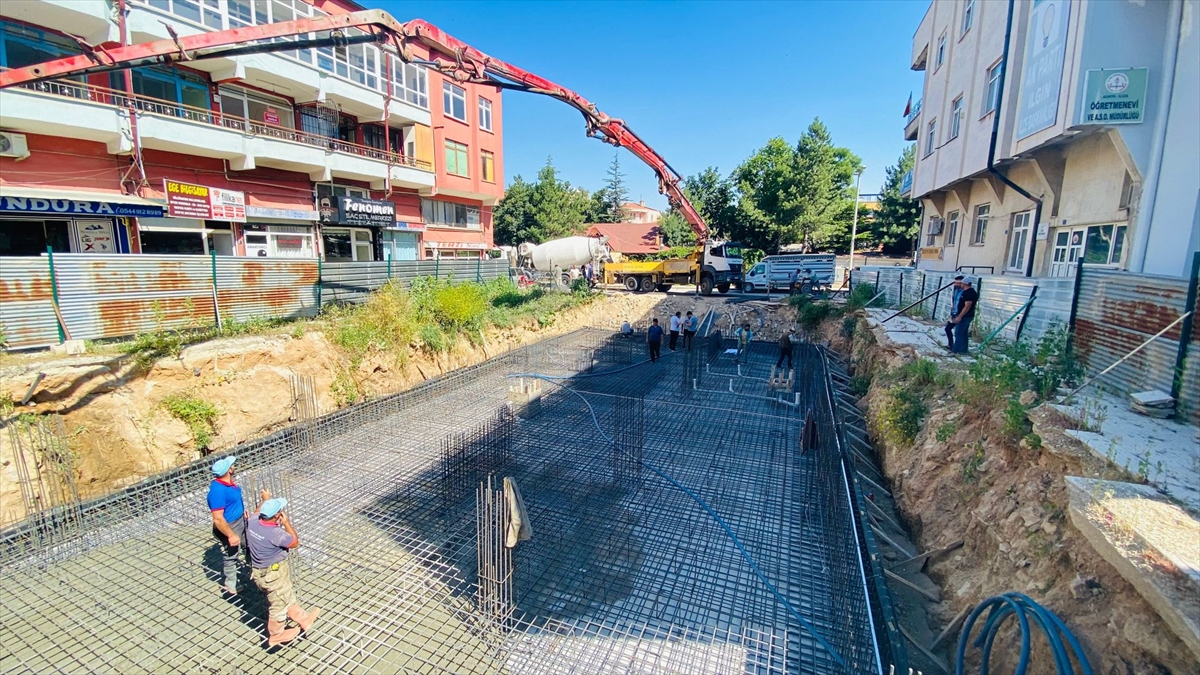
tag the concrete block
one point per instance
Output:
(69, 348)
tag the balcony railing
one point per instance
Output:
(906, 183)
(153, 106)
(912, 114)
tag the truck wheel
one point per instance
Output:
(706, 285)
(648, 284)
(631, 283)
(724, 288)
(663, 288)
(747, 288)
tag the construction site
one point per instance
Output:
(688, 516)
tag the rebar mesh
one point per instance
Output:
(624, 574)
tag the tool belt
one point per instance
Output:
(273, 568)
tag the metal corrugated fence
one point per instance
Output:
(1117, 311)
(26, 313)
(351, 282)
(999, 298)
(109, 296)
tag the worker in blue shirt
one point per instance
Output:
(228, 519)
(654, 337)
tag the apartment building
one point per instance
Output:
(1089, 115)
(638, 212)
(346, 153)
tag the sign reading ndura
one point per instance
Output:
(338, 210)
(1114, 96)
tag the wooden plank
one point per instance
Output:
(933, 658)
(930, 554)
(891, 542)
(935, 597)
(951, 629)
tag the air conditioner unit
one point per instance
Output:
(13, 145)
(936, 225)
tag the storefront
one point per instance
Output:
(352, 228)
(33, 220)
(402, 242)
(278, 233)
(456, 250)
(200, 220)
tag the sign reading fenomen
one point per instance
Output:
(341, 210)
(1114, 96)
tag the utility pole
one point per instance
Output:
(854, 228)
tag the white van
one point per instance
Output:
(818, 267)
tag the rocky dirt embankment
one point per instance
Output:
(964, 477)
(120, 431)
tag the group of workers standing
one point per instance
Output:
(962, 311)
(680, 325)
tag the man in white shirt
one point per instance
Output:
(675, 330)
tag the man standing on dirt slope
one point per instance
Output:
(966, 312)
(958, 289)
(675, 323)
(269, 537)
(228, 518)
(785, 348)
(689, 331)
(654, 336)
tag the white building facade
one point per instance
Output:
(1089, 115)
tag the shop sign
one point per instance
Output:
(1114, 96)
(271, 116)
(95, 236)
(187, 200)
(77, 208)
(1041, 79)
(473, 245)
(408, 227)
(357, 211)
(931, 253)
(280, 214)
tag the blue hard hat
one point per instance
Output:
(271, 507)
(221, 466)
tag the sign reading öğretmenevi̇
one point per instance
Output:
(1114, 96)
(187, 200)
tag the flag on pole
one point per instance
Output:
(908, 106)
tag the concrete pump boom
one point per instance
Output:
(450, 56)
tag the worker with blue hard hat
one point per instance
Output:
(228, 519)
(270, 536)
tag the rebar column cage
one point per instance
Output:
(494, 594)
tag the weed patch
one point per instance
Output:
(902, 415)
(946, 431)
(859, 296)
(199, 415)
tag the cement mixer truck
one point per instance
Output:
(562, 253)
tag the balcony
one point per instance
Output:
(89, 19)
(906, 184)
(355, 80)
(75, 110)
(912, 124)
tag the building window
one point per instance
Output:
(485, 114)
(1104, 245)
(410, 83)
(968, 16)
(374, 136)
(992, 96)
(330, 190)
(952, 229)
(1019, 241)
(456, 159)
(955, 117)
(931, 231)
(204, 12)
(454, 101)
(941, 52)
(449, 214)
(487, 166)
(168, 85)
(347, 244)
(22, 46)
(930, 137)
(278, 241)
(251, 105)
(979, 232)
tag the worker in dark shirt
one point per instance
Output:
(966, 312)
(270, 536)
(654, 337)
(786, 342)
(958, 289)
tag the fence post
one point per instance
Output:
(389, 268)
(924, 278)
(478, 269)
(878, 273)
(318, 284)
(1074, 306)
(216, 304)
(1025, 315)
(437, 263)
(901, 295)
(62, 334)
(1185, 331)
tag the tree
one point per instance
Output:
(715, 198)
(898, 219)
(538, 212)
(512, 219)
(796, 194)
(609, 201)
(675, 230)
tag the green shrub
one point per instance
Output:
(859, 384)
(1015, 425)
(799, 301)
(946, 431)
(902, 415)
(849, 327)
(383, 323)
(580, 286)
(812, 314)
(199, 415)
(460, 306)
(859, 296)
(973, 461)
(432, 337)
(920, 373)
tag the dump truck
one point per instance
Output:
(713, 265)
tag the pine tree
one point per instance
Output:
(614, 194)
(898, 219)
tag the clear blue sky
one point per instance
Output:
(705, 83)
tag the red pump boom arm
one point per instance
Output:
(450, 56)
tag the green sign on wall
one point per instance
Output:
(1114, 96)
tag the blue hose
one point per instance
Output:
(720, 521)
(1063, 644)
